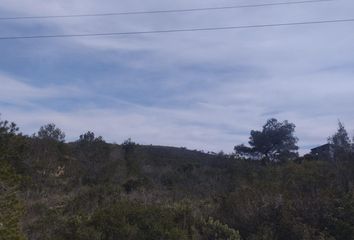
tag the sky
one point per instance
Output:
(200, 90)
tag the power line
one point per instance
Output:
(178, 30)
(163, 11)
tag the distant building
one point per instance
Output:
(324, 152)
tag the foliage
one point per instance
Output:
(341, 138)
(11, 208)
(89, 137)
(7, 128)
(134, 184)
(215, 230)
(129, 191)
(340, 143)
(276, 142)
(92, 152)
(132, 164)
(293, 201)
(51, 132)
(129, 220)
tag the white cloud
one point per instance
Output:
(235, 80)
(13, 91)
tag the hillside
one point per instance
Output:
(90, 190)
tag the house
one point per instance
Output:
(323, 152)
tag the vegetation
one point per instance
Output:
(341, 143)
(276, 142)
(11, 208)
(92, 190)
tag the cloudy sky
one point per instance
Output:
(202, 90)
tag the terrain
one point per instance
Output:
(90, 189)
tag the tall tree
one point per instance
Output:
(50, 131)
(276, 142)
(94, 154)
(341, 138)
(11, 208)
(340, 142)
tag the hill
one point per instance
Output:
(90, 189)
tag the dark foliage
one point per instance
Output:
(276, 142)
(51, 132)
(92, 190)
(340, 144)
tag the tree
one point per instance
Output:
(10, 206)
(7, 128)
(50, 131)
(94, 154)
(128, 147)
(340, 145)
(276, 142)
(7, 131)
(12, 145)
(340, 141)
(89, 137)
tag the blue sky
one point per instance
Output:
(201, 90)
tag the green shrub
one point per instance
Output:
(11, 208)
(130, 220)
(215, 230)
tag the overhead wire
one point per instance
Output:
(164, 11)
(180, 30)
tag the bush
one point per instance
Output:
(215, 230)
(11, 208)
(133, 221)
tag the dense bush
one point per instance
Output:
(92, 190)
(11, 208)
(215, 230)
